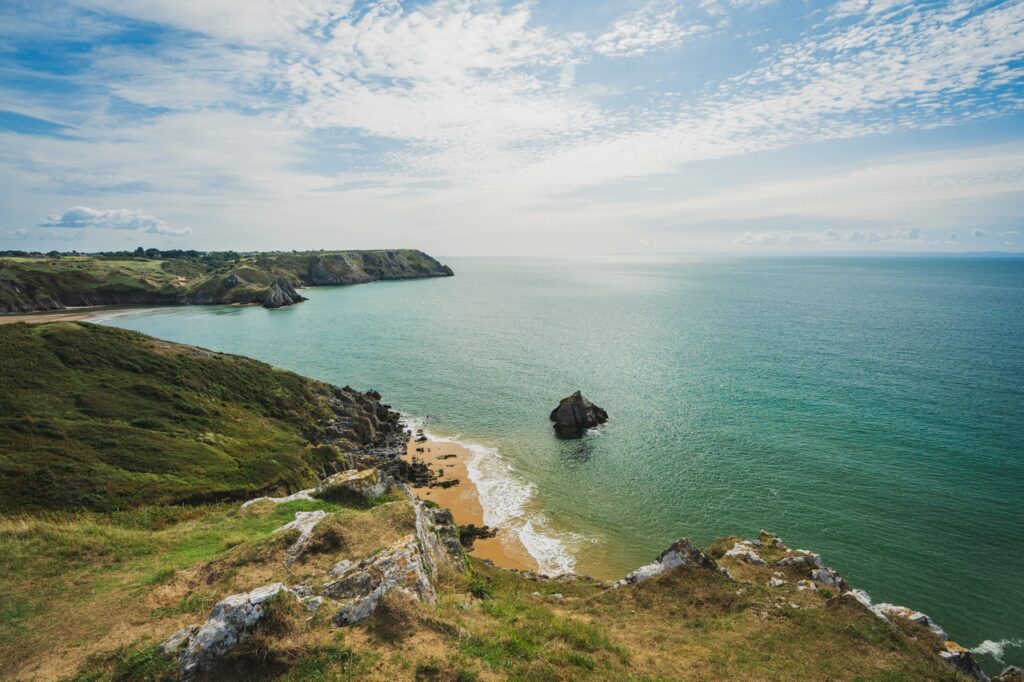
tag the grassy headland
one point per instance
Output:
(115, 449)
(105, 419)
(33, 282)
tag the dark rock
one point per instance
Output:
(470, 533)
(576, 414)
(281, 293)
(1010, 673)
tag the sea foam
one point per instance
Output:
(505, 497)
(997, 650)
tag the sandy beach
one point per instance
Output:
(463, 501)
(67, 315)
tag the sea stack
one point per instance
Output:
(575, 414)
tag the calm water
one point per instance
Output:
(869, 409)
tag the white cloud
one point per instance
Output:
(78, 217)
(645, 32)
(856, 237)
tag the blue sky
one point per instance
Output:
(492, 128)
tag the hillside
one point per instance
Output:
(101, 418)
(128, 554)
(53, 282)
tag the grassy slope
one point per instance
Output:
(44, 283)
(135, 577)
(104, 418)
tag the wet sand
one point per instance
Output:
(463, 501)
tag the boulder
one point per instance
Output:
(362, 486)
(304, 523)
(575, 414)
(680, 553)
(1010, 673)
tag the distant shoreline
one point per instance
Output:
(73, 314)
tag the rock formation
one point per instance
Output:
(575, 414)
(281, 293)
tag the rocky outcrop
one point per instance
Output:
(281, 293)
(410, 566)
(1010, 673)
(575, 414)
(231, 620)
(358, 486)
(956, 656)
(680, 553)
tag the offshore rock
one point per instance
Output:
(281, 293)
(680, 553)
(575, 414)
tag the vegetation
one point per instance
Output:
(52, 281)
(105, 419)
(103, 431)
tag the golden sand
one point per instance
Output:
(463, 501)
(67, 315)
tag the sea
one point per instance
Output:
(867, 408)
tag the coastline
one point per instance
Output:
(451, 461)
(70, 314)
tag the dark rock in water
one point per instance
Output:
(576, 414)
(1010, 674)
(281, 293)
(470, 533)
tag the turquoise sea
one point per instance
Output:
(871, 409)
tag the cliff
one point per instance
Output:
(169, 513)
(34, 283)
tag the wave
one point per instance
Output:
(505, 498)
(997, 649)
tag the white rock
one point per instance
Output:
(230, 621)
(806, 585)
(745, 550)
(680, 553)
(301, 495)
(365, 485)
(304, 522)
(776, 582)
(341, 568)
(801, 557)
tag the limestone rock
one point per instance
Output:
(281, 293)
(301, 495)
(304, 523)
(575, 414)
(363, 486)
(409, 565)
(801, 557)
(231, 620)
(680, 553)
(746, 550)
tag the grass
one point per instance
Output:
(100, 418)
(45, 282)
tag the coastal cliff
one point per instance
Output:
(37, 282)
(170, 513)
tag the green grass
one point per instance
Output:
(40, 283)
(100, 418)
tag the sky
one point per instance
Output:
(509, 128)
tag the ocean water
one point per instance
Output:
(871, 409)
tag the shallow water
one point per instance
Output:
(869, 409)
